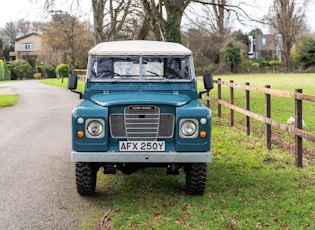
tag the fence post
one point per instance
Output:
(208, 101)
(268, 115)
(247, 107)
(298, 125)
(232, 103)
(219, 97)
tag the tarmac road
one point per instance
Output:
(37, 178)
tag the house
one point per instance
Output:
(265, 47)
(28, 46)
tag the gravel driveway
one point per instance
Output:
(37, 181)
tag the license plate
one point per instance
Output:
(147, 146)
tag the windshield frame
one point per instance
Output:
(153, 76)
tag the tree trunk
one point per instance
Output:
(166, 29)
(98, 18)
(174, 12)
(145, 29)
(286, 57)
(288, 19)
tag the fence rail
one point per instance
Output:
(298, 96)
(275, 92)
(81, 73)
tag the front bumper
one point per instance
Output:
(142, 157)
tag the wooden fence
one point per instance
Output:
(81, 73)
(298, 97)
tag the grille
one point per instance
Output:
(141, 123)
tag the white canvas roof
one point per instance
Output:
(139, 47)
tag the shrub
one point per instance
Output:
(63, 70)
(232, 56)
(275, 63)
(201, 70)
(10, 67)
(21, 69)
(247, 64)
(32, 61)
(255, 65)
(49, 72)
(3, 71)
(37, 76)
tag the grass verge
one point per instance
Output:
(8, 100)
(64, 84)
(248, 187)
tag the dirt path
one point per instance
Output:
(37, 182)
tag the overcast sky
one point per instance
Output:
(32, 10)
(13, 10)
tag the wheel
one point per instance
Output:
(85, 177)
(196, 178)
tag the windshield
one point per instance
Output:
(139, 68)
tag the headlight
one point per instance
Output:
(188, 128)
(95, 128)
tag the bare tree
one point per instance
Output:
(24, 27)
(213, 21)
(109, 17)
(11, 31)
(38, 26)
(98, 18)
(66, 37)
(165, 17)
(218, 19)
(288, 19)
(162, 18)
(116, 16)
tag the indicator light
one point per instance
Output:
(80, 133)
(203, 134)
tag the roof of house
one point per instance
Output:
(25, 36)
(139, 47)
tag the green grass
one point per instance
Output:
(281, 108)
(287, 82)
(248, 186)
(64, 84)
(8, 100)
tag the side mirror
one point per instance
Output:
(208, 81)
(208, 84)
(72, 81)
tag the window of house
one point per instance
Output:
(263, 41)
(27, 46)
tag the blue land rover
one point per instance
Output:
(140, 109)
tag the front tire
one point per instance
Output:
(85, 177)
(196, 178)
